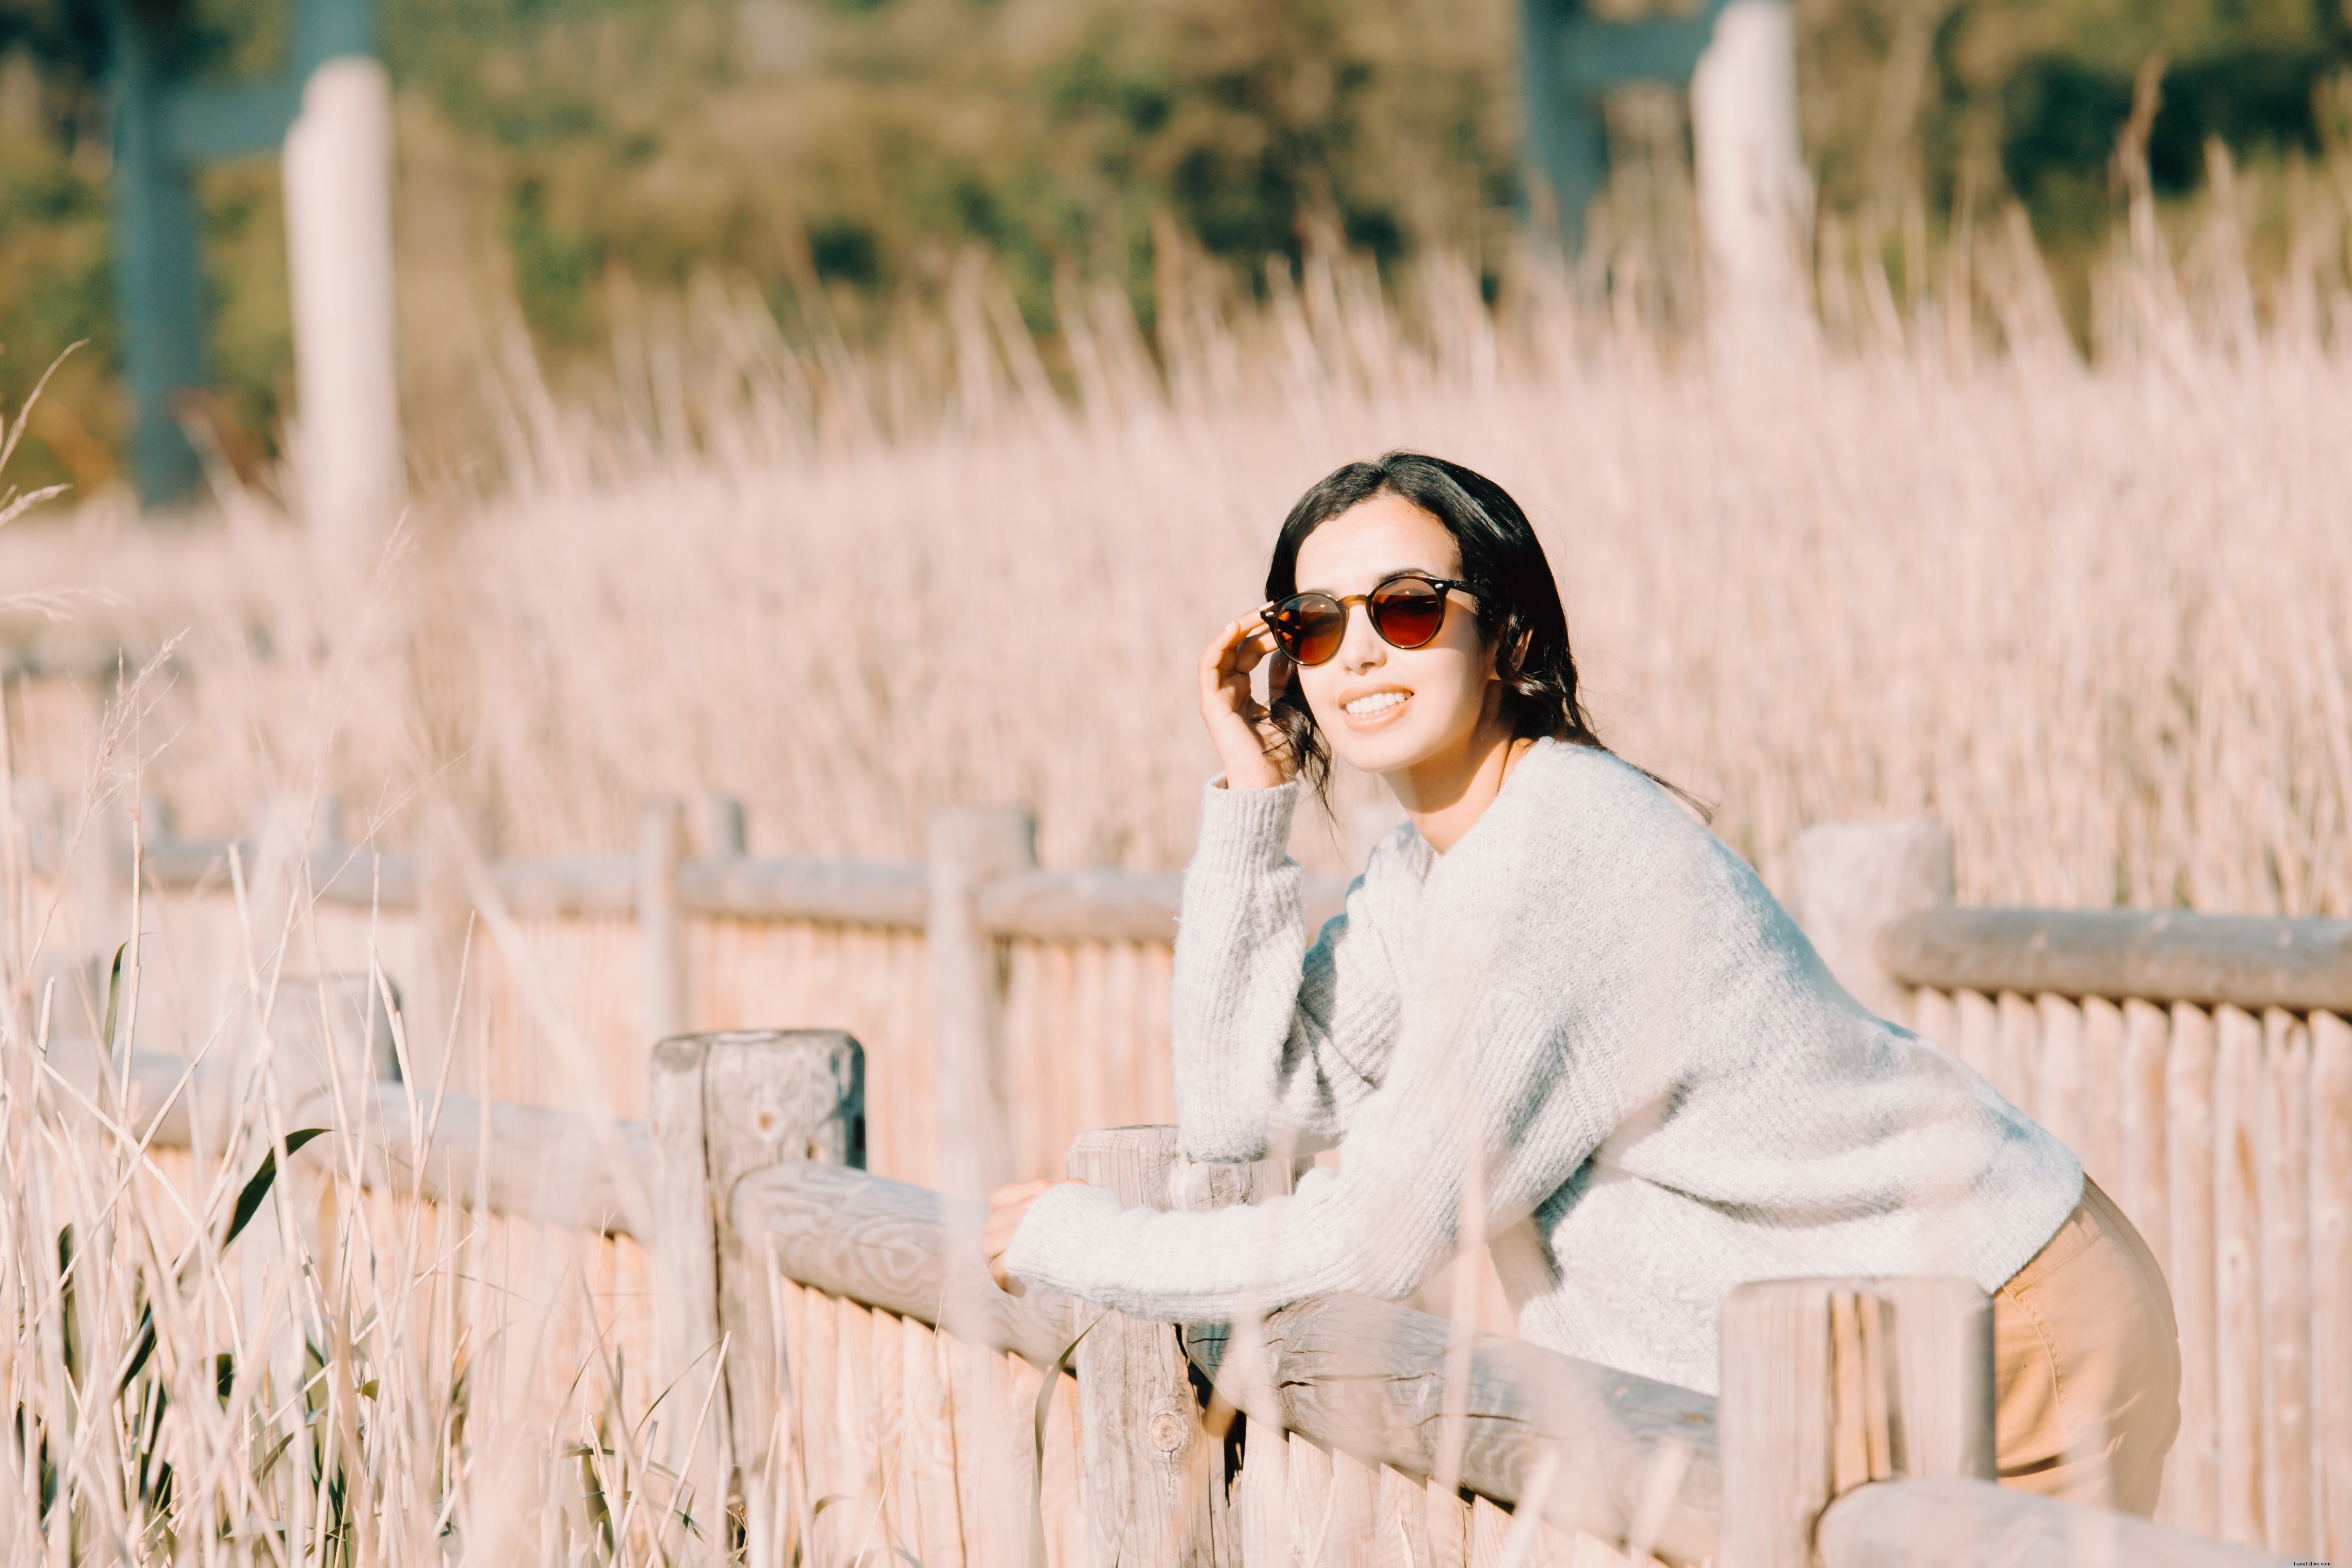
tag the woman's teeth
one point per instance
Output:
(1378, 702)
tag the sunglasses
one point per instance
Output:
(1407, 610)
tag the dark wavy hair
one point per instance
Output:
(1519, 612)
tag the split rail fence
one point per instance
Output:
(2201, 1065)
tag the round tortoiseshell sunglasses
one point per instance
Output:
(1406, 609)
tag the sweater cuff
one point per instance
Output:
(1066, 1227)
(1245, 830)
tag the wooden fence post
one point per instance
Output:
(717, 831)
(723, 1106)
(1854, 880)
(970, 847)
(1829, 1384)
(661, 935)
(1156, 1478)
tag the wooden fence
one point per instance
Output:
(2199, 1064)
(870, 1394)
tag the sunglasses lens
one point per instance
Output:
(1408, 613)
(1308, 626)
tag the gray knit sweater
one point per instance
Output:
(1589, 1021)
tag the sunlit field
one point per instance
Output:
(1919, 553)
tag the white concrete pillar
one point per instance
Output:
(1755, 200)
(338, 175)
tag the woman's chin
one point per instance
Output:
(1381, 750)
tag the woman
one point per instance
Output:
(1556, 1001)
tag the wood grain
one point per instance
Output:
(2105, 1093)
(2146, 1194)
(2021, 1052)
(2237, 1259)
(2331, 1275)
(1367, 1378)
(886, 1244)
(2192, 1475)
(2058, 1072)
(2283, 1186)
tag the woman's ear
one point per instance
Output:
(1510, 662)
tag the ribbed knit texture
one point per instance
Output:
(1589, 1020)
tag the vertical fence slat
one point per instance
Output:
(1490, 1534)
(1309, 1505)
(1933, 1016)
(2020, 1043)
(1978, 1024)
(1067, 1532)
(2331, 1238)
(820, 1422)
(1448, 1523)
(2147, 1192)
(930, 1449)
(1404, 1528)
(2104, 1094)
(793, 1496)
(1261, 1498)
(893, 1428)
(978, 1492)
(2236, 1240)
(2058, 1072)
(2192, 1484)
(2284, 1190)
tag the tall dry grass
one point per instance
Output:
(1926, 556)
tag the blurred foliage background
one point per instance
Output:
(562, 163)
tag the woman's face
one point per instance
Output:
(1386, 709)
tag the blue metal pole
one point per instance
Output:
(158, 272)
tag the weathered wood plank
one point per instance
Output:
(2104, 1094)
(2331, 1274)
(2245, 961)
(2021, 1052)
(2058, 1070)
(2283, 1186)
(2146, 1189)
(884, 1243)
(1367, 1378)
(2237, 1257)
(2192, 1473)
(1977, 1524)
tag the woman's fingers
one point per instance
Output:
(1008, 1206)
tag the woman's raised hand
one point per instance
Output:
(1256, 752)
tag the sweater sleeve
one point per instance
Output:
(1257, 1030)
(1490, 1090)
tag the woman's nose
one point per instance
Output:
(1363, 648)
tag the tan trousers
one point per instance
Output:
(2086, 1365)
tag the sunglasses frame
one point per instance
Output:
(1443, 584)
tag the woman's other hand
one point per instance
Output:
(1256, 752)
(1008, 1206)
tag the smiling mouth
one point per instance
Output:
(1375, 708)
